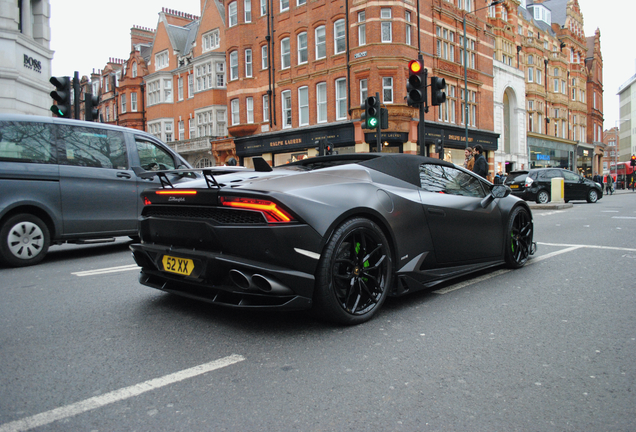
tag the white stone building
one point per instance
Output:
(25, 57)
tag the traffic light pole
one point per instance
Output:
(76, 96)
(378, 130)
(421, 127)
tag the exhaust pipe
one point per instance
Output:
(240, 279)
(269, 285)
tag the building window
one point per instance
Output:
(446, 44)
(162, 60)
(181, 130)
(264, 62)
(134, 70)
(301, 2)
(341, 99)
(167, 90)
(303, 106)
(302, 48)
(556, 85)
(446, 112)
(362, 28)
(233, 65)
(220, 74)
(363, 91)
(123, 103)
(221, 127)
(190, 85)
(154, 93)
(472, 108)
(204, 76)
(387, 90)
(249, 106)
(180, 88)
(234, 106)
(285, 60)
(263, 7)
(321, 43)
(386, 26)
(539, 76)
(321, 102)
(232, 12)
(190, 128)
(133, 102)
(339, 36)
(408, 35)
(266, 108)
(248, 10)
(284, 5)
(168, 127)
(210, 40)
(530, 74)
(287, 109)
(248, 62)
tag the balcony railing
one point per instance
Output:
(191, 145)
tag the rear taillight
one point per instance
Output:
(272, 212)
(528, 182)
(176, 192)
(147, 201)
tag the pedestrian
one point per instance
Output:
(481, 166)
(468, 158)
(609, 186)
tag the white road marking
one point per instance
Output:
(115, 396)
(568, 248)
(107, 270)
(623, 217)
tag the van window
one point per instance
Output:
(152, 157)
(92, 147)
(26, 142)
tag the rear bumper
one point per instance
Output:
(226, 280)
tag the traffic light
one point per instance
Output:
(91, 102)
(438, 96)
(370, 113)
(633, 161)
(62, 95)
(384, 118)
(439, 148)
(416, 86)
(328, 150)
(321, 147)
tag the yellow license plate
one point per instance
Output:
(182, 266)
(514, 186)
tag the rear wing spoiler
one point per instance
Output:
(260, 165)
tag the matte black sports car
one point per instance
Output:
(335, 233)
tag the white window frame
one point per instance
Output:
(248, 63)
(302, 48)
(408, 37)
(236, 114)
(233, 65)
(285, 53)
(321, 42)
(364, 90)
(249, 107)
(321, 103)
(232, 14)
(133, 102)
(247, 11)
(167, 90)
(264, 55)
(162, 60)
(123, 103)
(386, 27)
(265, 108)
(387, 86)
(303, 106)
(341, 98)
(339, 35)
(286, 106)
(362, 28)
(284, 5)
(180, 88)
(263, 7)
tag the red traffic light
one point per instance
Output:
(415, 66)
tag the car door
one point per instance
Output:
(462, 231)
(98, 188)
(574, 185)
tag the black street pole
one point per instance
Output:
(76, 96)
(378, 130)
(421, 127)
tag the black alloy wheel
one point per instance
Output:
(354, 274)
(543, 197)
(592, 196)
(24, 240)
(518, 243)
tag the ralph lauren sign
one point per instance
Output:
(33, 64)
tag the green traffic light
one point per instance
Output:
(372, 122)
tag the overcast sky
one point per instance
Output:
(84, 34)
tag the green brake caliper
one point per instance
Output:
(365, 264)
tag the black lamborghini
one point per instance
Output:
(334, 233)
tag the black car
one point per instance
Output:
(335, 233)
(536, 185)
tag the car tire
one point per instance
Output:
(354, 274)
(518, 242)
(543, 197)
(24, 240)
(592, 196)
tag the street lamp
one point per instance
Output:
(493, 3)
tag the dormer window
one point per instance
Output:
(541, 13)
(161, 60)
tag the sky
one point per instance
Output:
(86, 33)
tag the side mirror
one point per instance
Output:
(500, 191)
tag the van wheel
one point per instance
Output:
(24, 240)
(543, 197)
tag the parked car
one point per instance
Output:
(335, 233)
(71, 181)
(536, 185)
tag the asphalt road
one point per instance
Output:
(549, 347)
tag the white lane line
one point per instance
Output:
(106, 270)
(623, 217)
(115, 396)
(589, 246)
(502, 271)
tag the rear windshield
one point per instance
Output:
(517, 176)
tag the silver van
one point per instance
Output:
(71, 181)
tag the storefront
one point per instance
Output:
(548, 153)
(585, 160)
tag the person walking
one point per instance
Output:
(609, 186)
(469, 161)
(481, 166)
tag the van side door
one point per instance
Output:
(98, 188)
